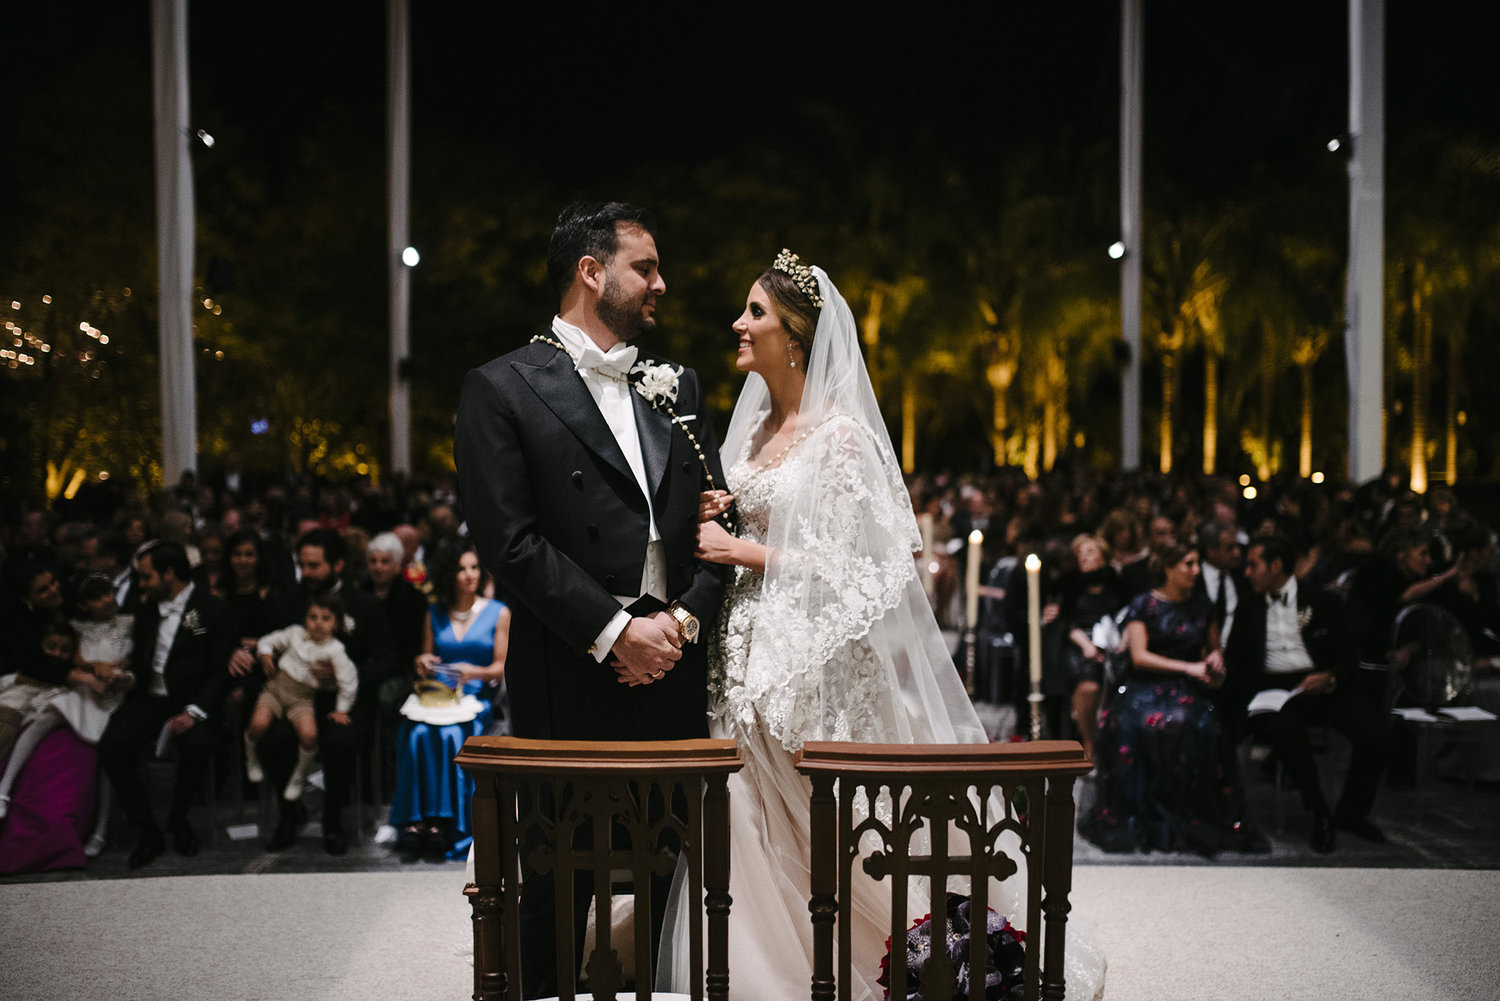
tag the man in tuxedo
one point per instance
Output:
(1221, 581)
(1288, 638)
(183, 636)
(581, 494)
(367, 639)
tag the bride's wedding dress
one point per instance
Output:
(835, 641)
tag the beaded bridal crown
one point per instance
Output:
(800, 273)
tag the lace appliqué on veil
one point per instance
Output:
(793, 649)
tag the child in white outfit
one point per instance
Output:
(98, 645)
(291, 685)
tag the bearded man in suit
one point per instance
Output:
(581, 460)
(1297, 639)
(581, 494)
(367, 640)
(182, 641)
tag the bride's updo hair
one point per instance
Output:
(793, 290)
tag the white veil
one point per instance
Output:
(846, 646)
(842, 645)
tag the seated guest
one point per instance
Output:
(287, 657)
(1471, 595)
(1399, 574)
(1091, 593)
(1468, 590)
(405, 610)
(32, 703)
(180, 649)
(1161, 783)
(363, 632)
(1121, 532)
(1223, 583)
(213, 572)
(32, 674)
(1296, 639)
(464, 641)
(100, 642)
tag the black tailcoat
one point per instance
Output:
(560, 521)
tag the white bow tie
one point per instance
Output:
(614, 363)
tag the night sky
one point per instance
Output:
(1234, 92)
(562, 102)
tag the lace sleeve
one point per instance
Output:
(843, 542)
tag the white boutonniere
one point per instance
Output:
(1304, 616)
(656, 383)
(191, 621)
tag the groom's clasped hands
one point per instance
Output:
(649, 647)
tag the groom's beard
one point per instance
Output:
(625, 317)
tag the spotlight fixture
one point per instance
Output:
(410, 257)
(1117, 250)
(207, 139)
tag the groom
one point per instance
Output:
(581, 495)
(580, 463)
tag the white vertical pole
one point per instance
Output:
(398, 139)
(1131, 51)
(1364, 341)
(174, 239)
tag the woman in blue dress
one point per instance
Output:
(464, 640)
(1161, 786)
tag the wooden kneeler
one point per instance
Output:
(942, 788)
(533, 796)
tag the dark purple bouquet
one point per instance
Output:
(1004, 977)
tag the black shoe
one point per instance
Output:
(335, 841)
(435, 843)
(293, 816)
(1321, 837)
(185, 839)
(409, 843)
(146, 849)
(1361, 827)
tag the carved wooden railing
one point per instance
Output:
(534, 797)
(982, 792)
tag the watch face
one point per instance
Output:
(690, 630)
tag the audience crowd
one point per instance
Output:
(255, 632)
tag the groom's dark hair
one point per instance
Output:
(588, 229)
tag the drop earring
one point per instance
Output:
(790, 356)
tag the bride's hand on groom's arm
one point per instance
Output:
(649, 647)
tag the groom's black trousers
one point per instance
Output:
(540, 976)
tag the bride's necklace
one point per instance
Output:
(775, 462)
(465, 616)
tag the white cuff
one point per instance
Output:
(606, 640)
(196, 713)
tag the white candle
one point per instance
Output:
(976, 540)
(1034, 615)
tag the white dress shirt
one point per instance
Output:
(166, 633)
(1213, 579)
(613, 397)
(1285, 652)
(121, 584)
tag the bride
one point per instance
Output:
(826, 633)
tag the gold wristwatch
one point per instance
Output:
(687, 622)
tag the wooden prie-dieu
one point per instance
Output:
(573, 807)
(995, 800)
